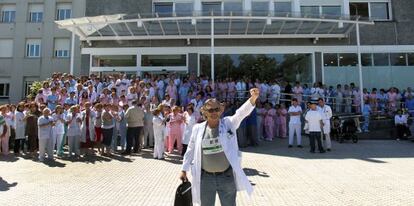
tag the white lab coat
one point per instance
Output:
(92, 119)
(326, 113)
(20, 125)
(159, 135)
(228, 140)
(190, 121)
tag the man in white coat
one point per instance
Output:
(326, 113)
(295, 111)
(274, 93)
(213, 155)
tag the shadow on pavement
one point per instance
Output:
(171, 158)
(365, 150)
(5, 186)
(8, 158)
(53, 163)
(254, 172)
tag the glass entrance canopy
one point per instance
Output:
(197, 25)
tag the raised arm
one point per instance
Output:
(245, 109)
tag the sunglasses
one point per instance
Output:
(213, 110)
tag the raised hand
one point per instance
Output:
(254, 94)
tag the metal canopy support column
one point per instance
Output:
(361, 85)
(72, 53)
(212, 50)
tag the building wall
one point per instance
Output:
(20, 68)
(105, 7)
(394, 35)
(398, 31)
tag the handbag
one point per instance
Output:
(183, 195)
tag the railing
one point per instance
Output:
(253, 13)
(345, 108)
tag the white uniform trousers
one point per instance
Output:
(295, 128)
(45, 146)
(158, 146)
(74, 145)
(148, 135)
(326, 142)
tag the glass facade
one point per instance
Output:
(331, 11)
(379, 11)
(381, 70)
(179, 60)
(410, 58)
(283, 8)
(260, 8)
(163, 8)
(359, 9)
(235, 7)
(114, 60)
(183, 9)
(348, 60)
(330, 60)
(310, 11)
(398, 59)
(211, 7)
(292, 67)
(381, 59)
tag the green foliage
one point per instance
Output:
(36, 86)
(289, 67)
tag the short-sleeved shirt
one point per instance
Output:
(295, 119)
(52, 101)
(44, 132)
(314, 117)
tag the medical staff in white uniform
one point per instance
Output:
(326, 113)
(295, 111)
(213, 155)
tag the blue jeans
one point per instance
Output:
(222, 184)
(366, 123)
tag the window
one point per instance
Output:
(8, 14)
(330, 60)
(381, 59)
(163, 8)
(283, 7)
(366, 60)
(35, 13)
(379, 11)
(62, 47)
(398, 59)
(260, 8)
(359, 9)
(6, 48)
(309, 10)
(164, 60)
(114, 60)
(410, 57)
(209, 7)
(235, 7)
(374, 10)
(346, 60)
(183, 9)
(27, 85)
(63, 11)
(4, 90)
(33, 48)
(331, 10)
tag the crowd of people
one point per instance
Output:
(123, 114)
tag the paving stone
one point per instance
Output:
(371, 172)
